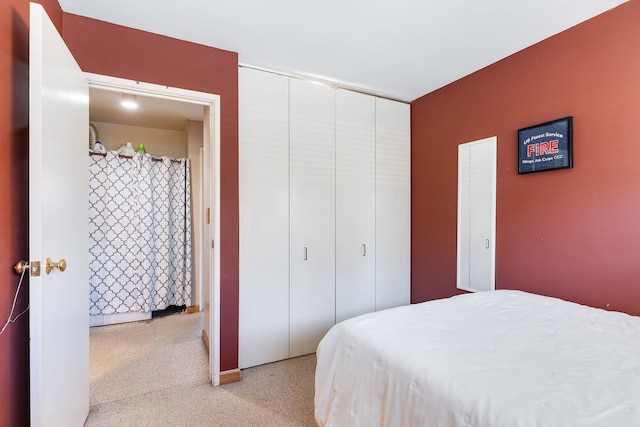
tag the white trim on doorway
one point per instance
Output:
(211, 231)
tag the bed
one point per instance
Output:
(488, 359)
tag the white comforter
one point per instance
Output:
(490, 359)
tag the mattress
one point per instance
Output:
(488, 359)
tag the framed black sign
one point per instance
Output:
(546, 146)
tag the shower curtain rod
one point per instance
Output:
(123, 156)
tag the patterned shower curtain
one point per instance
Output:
(140, 241)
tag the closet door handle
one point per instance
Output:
(486, 246)
(305, 253)
(364, 249)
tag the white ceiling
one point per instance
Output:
(401, 49)
(159, 113)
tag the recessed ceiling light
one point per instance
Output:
(129, 101)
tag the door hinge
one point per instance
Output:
(208, 215)
(212, 244)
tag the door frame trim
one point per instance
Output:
(211, 146)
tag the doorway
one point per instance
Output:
(192, 108)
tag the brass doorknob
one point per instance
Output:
(21, 266)
(60, 265)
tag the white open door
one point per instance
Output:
(58, 229)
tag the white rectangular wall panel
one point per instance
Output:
(355, 204)
(312, 210)
(393, 204)
(264, 217)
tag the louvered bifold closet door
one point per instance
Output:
(393, 203)
(264, 217)
(355, 204)
(312, 204)
(476, 215)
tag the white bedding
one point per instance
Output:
(489, 359)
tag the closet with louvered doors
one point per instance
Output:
(316, 171)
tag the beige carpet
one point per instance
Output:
(154, 373)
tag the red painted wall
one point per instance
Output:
(570, 233)
(113, 50)
(14, 202)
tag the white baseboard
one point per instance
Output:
(111, 319)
